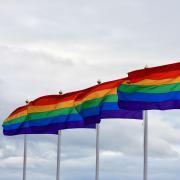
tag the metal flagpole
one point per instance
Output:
(145, 173)
(25, 153)
(97, 145)
(97, 151)
(25, 157)
(58, 151)
(58, 155)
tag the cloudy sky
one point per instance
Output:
(47, 45)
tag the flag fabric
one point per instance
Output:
(151, 88)
(21, 121)
(79, 109)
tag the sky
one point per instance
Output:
(47, 46)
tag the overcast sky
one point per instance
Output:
(47, 45)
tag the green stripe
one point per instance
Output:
(165, 88)
(64, 111)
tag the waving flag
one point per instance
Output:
(151, 88)
(79, 109)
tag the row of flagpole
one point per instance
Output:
(59, 153)
(145, 168)
(58, 176)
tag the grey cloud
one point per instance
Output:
(130, 27)
(25, 69)
(47, 46)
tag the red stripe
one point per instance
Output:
(18, 110)
(51, 99)
(78, 95)
(170, 70)
(157, 76)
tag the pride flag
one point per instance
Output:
(151, 88)
(79, 109)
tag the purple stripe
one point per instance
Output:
(138, 105)
(53, 128)
(125, 114)
(89, 122)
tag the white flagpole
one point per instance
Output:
(58, 155)
(97, 151)
(145, 172)
(25, 157)
(58, 151)
(25, 153)
(97, 144)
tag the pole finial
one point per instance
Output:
(60, 92)
(99, 81)
(146, 66)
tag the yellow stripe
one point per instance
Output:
(23, 113)
(150, 82)
(97, 94)
(66, 104)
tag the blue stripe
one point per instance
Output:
(66, 118)
(53, 128)
(45, 121)
(56, 119)
(149, 97)
(105, 107)
(110, 106)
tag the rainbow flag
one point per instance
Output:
(79, 109)
(151, 88)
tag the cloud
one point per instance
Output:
(47, 46)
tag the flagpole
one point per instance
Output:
(25, 153)
(25, 157)
(97, 151)
(59, 151)
(58, 155)
(97, 144)
(145, 173)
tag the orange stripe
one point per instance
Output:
(150, 82)
(22, 113)
(45, 108)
